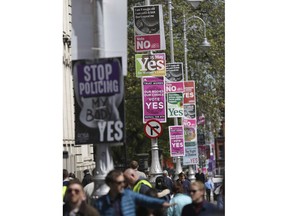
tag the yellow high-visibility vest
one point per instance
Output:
(137, 187)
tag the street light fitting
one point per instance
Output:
(205, 43)
(194, 3)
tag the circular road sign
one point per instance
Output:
(153, 128)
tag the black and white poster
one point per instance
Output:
(99, 101)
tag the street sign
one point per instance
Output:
(153, 128)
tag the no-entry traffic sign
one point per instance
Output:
(153, 128)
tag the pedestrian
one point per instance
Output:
(180, 198)
(144, 211)
(209, 186)
(199, 206)
(185, 182)
(123, 201)
(167, 180)
(136, 183)
(200, 176)
(87, 178)
(90, 189)
(65, 183)
(134, 165)
(161, 186)
(221, 196)
(76, 204)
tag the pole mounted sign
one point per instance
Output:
(153, 128)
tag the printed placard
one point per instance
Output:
(176, 137)
(174, 77)
(189, 111)
(148, 28)
(191, 153)
(189, 92)
(153, 99)
(99, 101)
(175, 105)
(150, 65)
(190, 134)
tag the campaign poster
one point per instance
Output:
(191, 153)
(148, 28)
(176, 138)
(150, 65)
(98, 100)
(153, 99)
(174, 77)
(190, 134)
(189, 111)
(189, 92)
(175, 105)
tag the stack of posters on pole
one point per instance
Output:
(99, 101)
(148, 28)
(190, 124)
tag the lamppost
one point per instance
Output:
(205, 43)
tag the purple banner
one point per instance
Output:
(153, 98)
(176, 137)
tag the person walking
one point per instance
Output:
(136, 183)
(199, 206)
(65, 184)
(167, 180)
(87, 178)
(180, 198)
(76, 204)
(121, 201)
(209, 186)
(200, 176)
(185, 182)
(134, 165)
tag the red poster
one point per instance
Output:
(189, 92)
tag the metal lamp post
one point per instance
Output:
(205, 43)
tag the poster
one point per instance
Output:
(148, 28)
(175, 105)
(150, 65)
(174, 77)
(153, 99)
(176, 138)
(99, 101)
(191, 153)
(189, 92)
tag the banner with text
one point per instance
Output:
(176, 138)
(174, 77)
(148, 28)
(150, 65)
(153, 99)
(99, 101)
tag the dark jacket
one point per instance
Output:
(208, 209)
(200, 177)
(129, 201)
(84, 210)
(87, 179)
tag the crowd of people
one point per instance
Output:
(132, 194)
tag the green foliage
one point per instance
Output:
(207, 68)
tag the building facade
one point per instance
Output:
(76, 158)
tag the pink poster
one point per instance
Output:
(176, 137)
(153, 99)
